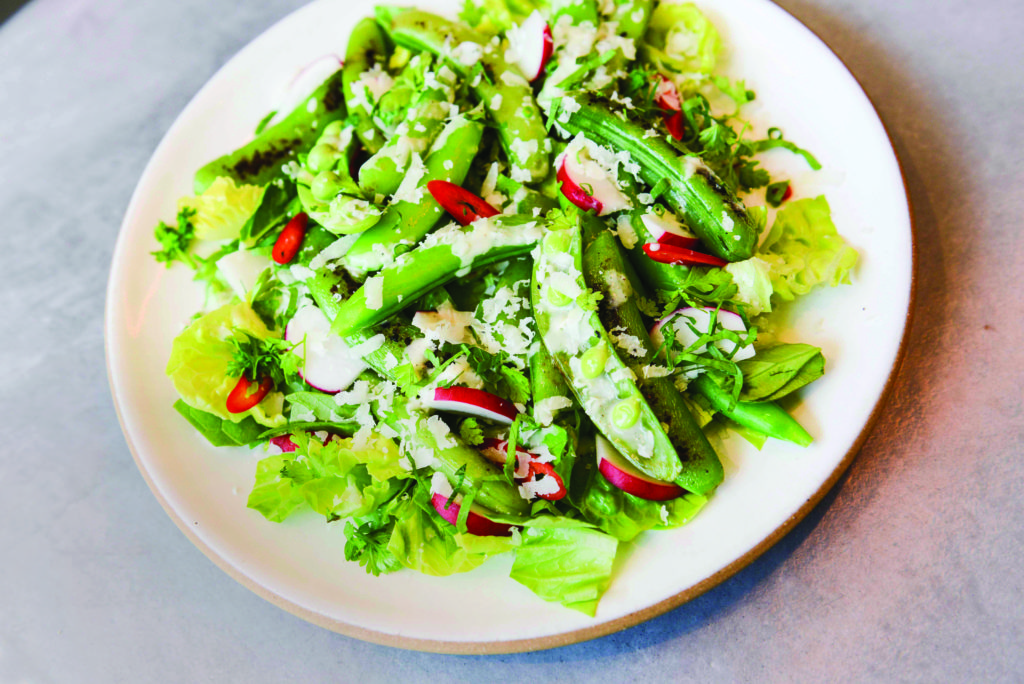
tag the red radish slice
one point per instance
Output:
(676, 125)
(473, 402)
(247, 394)
(700, 319)
(464, 206)
(531, 45)
(475, 522)
(666, 96)
(496, 450)
(668, 231)
(627, 477)
(670, 254)
(284, 443)
(290, 239)
(329, 365)
(576, 194)
(305, 82)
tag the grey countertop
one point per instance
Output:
(909, 570)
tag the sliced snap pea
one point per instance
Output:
(570, 330)
(765, 417)
(367, 48)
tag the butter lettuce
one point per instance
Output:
(223, 209)
(334, 479)
(682, 43)
(753, 281)
(804, 249)
(200, 355)
(566, 561)
(421, 540)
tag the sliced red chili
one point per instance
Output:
(675, 124)
(247, 394)
(789, 193)
(575, 194)
(464, 206)
(290, 239)
(547, 470)
(670, 254)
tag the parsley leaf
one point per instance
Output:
(176, 240)
(471, 432)
(367, 543)
(259, 358)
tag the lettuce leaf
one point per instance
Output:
(624, 516)
(565, 560)
(199, 361)
(779, 370)
(753, 285)
(804, 249)
(421, 540)
(218, 431)
(334, 479)
(681, 43)
(223, 209)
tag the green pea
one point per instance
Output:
(626, 413)
(557, 298)
(321, 158)
(593, 361)
(557, 241)
(326, 186)
(333, 130)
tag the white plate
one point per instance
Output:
(299, 565)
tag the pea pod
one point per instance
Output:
(389, 360)
(260, 161)
(451, 456)
(506, 95)
(367, 48)
(718, 218)
(766, 417)
(574, 336)
(446, 253)
(410, 217)
(604, 270)
(381, 174)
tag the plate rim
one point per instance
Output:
(575, 636)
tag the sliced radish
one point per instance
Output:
(329, 365)
(464, 206)
(627, 477)
(305, 81)
(588, 184)
(284, 443)
(473, 402)
(666, 96)
(476, 522)
(683, 322)
(530, 46)
(671, 254)
(242, 269)
(667, 230)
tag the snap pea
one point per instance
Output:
(505, 94)
(367, 48)
(570, 332)
(381, 174)
(260, 161)
(394, 103)
(716, 216)
(604, 271)
(406, 221)
(443, 255)
(456, 460)
(389, 361)
(766, 417)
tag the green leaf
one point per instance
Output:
(276, 207)
(176, 240)
(776, 193)
(367, 542)
(471, 432)
(779, 370)
(566, 561)
(218, 431)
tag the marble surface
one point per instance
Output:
(910, 570)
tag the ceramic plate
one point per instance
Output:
(299, 565)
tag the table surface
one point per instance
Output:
(908, 570)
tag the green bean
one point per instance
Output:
(765, 417)
(260, 161)
(367, 48)
(602, 383)
(407, 220)
(445, 254)
(605, 272)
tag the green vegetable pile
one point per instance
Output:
(568, 318)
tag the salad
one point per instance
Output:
(497, 284)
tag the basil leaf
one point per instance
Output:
(779, 370)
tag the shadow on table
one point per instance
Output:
(9, 7)
(906, 112)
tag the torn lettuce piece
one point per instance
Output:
(223, 209)
(682, 44)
